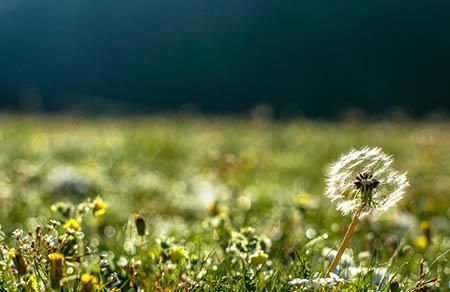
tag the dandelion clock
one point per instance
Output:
(363, 182)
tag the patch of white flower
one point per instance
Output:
(342, 174)
(318, 283)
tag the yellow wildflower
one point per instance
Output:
(99, 207)
(32, 284)
(71, 226)
(425, 227)
(306, 201)
(177, 253)
(88, 283)
(422, 242)
(258, 258)
(215, 210)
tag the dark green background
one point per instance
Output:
(317, 57)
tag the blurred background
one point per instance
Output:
(315, 58)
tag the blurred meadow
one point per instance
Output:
(227, 204)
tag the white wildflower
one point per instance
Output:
(319, 283)
(365, 177)
(380, 275)
(17, 233)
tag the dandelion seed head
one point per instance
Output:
(366, 170)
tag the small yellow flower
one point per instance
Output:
(422, 242)
(215, 210)
(56, 257)
(306, 201)
(424, 225)
(99, 207)
(177, 254)
(88, 283)
(56, 268)
(258, 258)
(32, 284)
(71, 226)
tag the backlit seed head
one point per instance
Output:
(365, 177)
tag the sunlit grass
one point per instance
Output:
(227, 204)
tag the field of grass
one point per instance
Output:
(226, 204)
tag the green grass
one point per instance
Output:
(213, 193)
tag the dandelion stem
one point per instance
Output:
(345, 241)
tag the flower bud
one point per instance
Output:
(19, 262)
(56, 269)
(89, 283)
(140, 224)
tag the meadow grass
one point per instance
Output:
(208, 203)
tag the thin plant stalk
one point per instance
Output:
(345, 241)
(141, 249)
